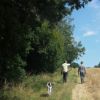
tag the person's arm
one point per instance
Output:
(68, 64)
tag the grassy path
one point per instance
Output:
(60, 91)
(34, 88)
(90, 90)
(80, 92)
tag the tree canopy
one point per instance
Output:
(97, 66)
(31, 36)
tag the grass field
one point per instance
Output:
(34, 88)
(93, 76)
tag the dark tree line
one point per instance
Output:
(31, 36)
(97, 66)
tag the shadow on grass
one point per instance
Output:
(44, 95)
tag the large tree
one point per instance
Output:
(73, 49)
(51, 46)
(48, 49)
(19, 20)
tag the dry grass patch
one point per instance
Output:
(93, 78)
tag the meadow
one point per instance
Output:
(34, 87)
(93, 78)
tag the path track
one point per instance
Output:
(90, 90)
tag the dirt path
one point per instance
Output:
(80, 91)
(90, 90)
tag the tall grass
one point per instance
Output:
(94, 82)
(34, 88)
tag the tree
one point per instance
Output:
(77, 4)
(47, 50)
(51, 46)
(73, 49)
(19, 20)
(97, 66)
(74, 65)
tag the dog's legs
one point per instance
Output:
(49, 90)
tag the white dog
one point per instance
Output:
(49, 85)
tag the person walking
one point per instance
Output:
(82, 72)
(65, 71)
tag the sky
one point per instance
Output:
(87, 30)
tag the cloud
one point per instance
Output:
(89, 33)
(95, 4)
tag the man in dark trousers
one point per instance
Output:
(65, 70)
(82, 72)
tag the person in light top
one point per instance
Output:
(65, 70)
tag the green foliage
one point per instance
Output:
(72, 48)
(34, 87)
(47, 49)
(14, 46)
(75, 65)
(22, 30)
(51, 46)
(97, 66)
(15, 76)
(13, 70)
(77, 4)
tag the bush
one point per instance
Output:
(13, 71)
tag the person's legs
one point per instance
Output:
(50, 90)
(64, 76)
(82, 77)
